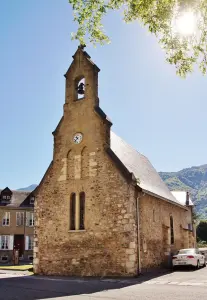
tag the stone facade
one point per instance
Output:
(108, 243)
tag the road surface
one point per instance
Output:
(180, 285)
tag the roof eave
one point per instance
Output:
(7, 207)
(165, 199)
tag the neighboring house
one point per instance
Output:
(101, 208)
(16, 224)
(185, 199)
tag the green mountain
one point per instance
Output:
(192, 179)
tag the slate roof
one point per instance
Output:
(17, 200)
(181, 197)
(140, 166)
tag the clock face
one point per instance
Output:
(77, 138)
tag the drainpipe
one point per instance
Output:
(138, 237)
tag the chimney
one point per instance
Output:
(187, 199)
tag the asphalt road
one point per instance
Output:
(180, 285)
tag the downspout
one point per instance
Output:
(138, 236)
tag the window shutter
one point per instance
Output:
(22, 218)
(3, 217)
(11, 242)
(27, 218)
(0, 241)
(8, 217)
(26, 242)
(17, 219)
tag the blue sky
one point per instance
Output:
(161, 115)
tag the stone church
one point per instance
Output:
(101, 208)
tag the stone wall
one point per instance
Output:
(107, 246)
(155, 239)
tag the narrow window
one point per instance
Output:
(82, 210)
(153, 215)
(171, 231)
(72, 211)
(30, 243)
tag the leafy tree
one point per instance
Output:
(179, 25)
(202, 231)
(196, 217)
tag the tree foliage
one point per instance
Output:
(202, 231)
(160, 17)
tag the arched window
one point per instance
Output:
(80, 88)
(171, 231)
(72, 211)
(82, 210)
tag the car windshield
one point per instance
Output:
(186, 251)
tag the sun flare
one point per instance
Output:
(186, 24)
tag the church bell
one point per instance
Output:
(81, 89)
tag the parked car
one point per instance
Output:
(189, 257)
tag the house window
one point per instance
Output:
(4, 242)
(72, 211)
(32, 200)
(30, 243)
(6, 199)
(30, 219)
(82, 210)
(20, 218)
(171, 231)
(4, 258)
(6, 219)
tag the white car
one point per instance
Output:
(189, 257)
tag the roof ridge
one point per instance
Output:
(18, 191)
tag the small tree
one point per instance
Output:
(202, 231)
(179, 25)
